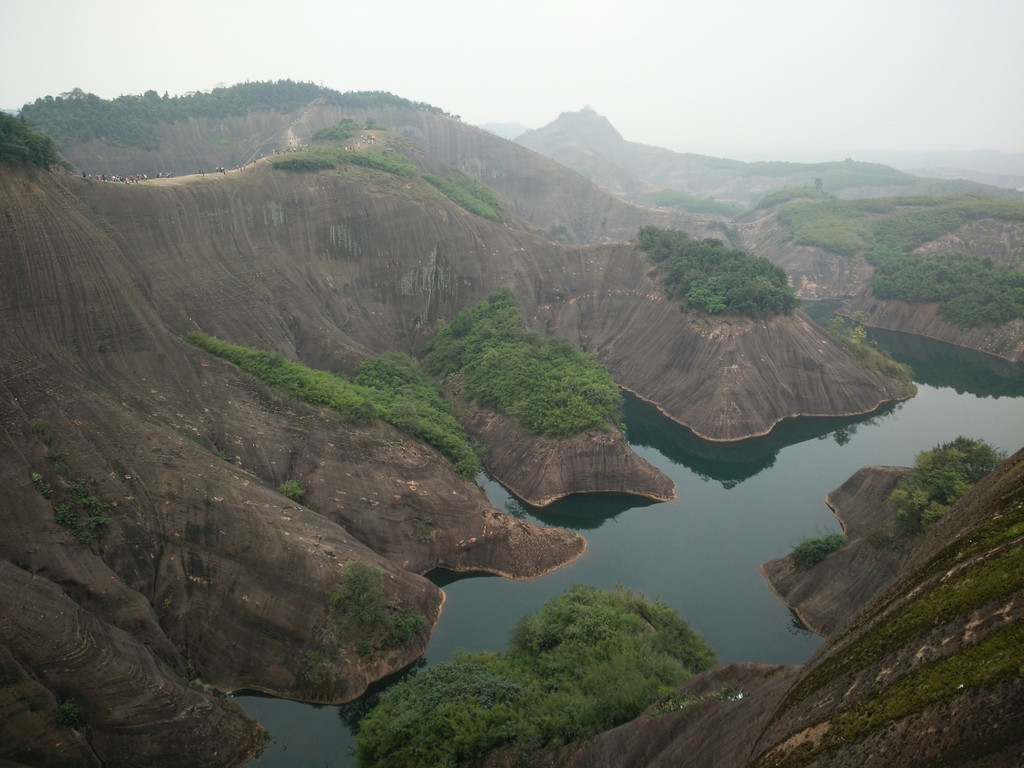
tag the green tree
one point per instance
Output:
(20, 144)
(363, 615)
(67, 713)
(586, 661)
(939, 478)
(712, 278)
(545, 384)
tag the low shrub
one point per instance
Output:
(67, 714)
(292, 489)
(363, 615)
(810, 552)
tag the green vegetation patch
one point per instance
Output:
(987, 663)
(544, 383)
(67, 714)
(993, 659)
(326, 158)
(391, 388)
(342, 131)
(81, 513)
(293, 490)
(132, 120)
(469, 194)
(562, 234)
(673, 198)
(20, 145)
(711, 278)
(939, 478)
(415, 404)
(855, 341)
(970, 290)
(812, 551)
(363, 616)
(587, 661)
(883, 228)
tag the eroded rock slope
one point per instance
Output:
(204, 572)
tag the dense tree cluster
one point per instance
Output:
(131, 120)
(939, 478)
(883, 228)
(711, 278)
(971, 291)
(19, 144)
(544, 383)
(587, 661)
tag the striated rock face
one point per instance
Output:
(534, 188)
(928, 669)
(923, 671)
(1007, 341)
(724, 378)
(816, 274)
(542, 470)
(204, 572)
(826, 594)
(136, 709)
(708, 726)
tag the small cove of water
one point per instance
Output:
(737, 506)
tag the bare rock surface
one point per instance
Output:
(826, 594)
(716, 718)
(542, 470)
(204, 572)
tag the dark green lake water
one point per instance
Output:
(737, 506)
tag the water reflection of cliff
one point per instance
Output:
(732, 463)
(938, 364)
(580, 511)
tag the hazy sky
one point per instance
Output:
(782, 79)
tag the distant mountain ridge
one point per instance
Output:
(589, 144)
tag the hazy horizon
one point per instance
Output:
(793, 79)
